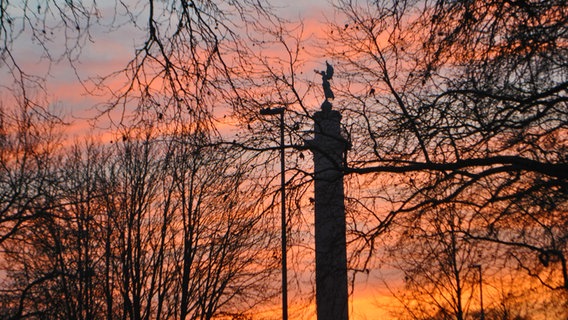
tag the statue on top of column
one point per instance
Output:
(325, 77)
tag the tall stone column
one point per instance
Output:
(329, 148)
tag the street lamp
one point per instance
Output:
(280, 111)
(478, 267)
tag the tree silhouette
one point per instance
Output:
(447, 104)
(468, 110)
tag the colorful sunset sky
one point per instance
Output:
(451, 146)
(71, 94)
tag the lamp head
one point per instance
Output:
(271, 111)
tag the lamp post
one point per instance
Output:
(478, 267)
(280, 111)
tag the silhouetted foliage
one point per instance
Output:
(456, 112)
(150, 227)
(468, 111)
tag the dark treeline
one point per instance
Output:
(457, 116)
(152, 226)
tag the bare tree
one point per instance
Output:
(153, 226)
(118, 215)
(27, 142)
(462, 104)
(435, 261)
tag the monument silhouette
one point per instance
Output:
(328, 148)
